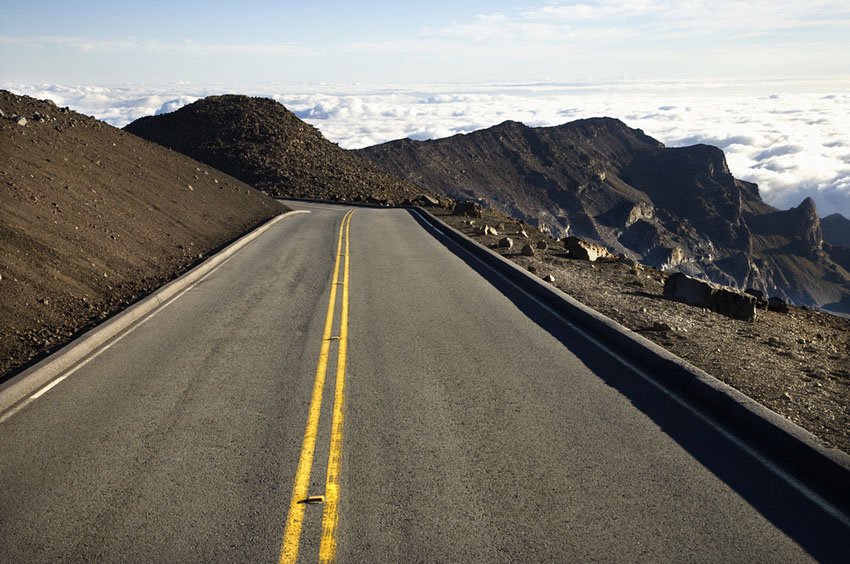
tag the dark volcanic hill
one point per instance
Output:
(673, 208)
(262, 143)
(93, 218)
(836, 229)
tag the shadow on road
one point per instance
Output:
(823, 535)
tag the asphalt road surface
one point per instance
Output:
(459, 424)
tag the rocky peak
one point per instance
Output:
(836, 230)
(510, 125)
(808, 223)
(261, 142)
(707, 161)
(605, 127)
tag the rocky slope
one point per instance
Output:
(93, 218)
(671, 208)
(262, 143)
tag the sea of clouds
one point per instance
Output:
(792, 137)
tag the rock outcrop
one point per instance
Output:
(585, 250)
(721, 299)
(777, 304)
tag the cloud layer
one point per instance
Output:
(790, 137)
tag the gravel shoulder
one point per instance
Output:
(796, 363)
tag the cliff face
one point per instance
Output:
(673, 208)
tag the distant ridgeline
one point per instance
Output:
(672, 208)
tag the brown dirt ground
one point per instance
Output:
(797, 363)
(94, 218)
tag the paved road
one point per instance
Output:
(475, 429)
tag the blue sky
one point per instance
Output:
(435, 41)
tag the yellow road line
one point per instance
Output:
(327, 548)
(295, 517)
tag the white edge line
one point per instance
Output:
(119, 337)
(807, 492)
(45, 389)
(109, 342)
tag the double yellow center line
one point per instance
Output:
(300, 494)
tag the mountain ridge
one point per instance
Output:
(836, 229)
(673, 208)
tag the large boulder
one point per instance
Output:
(777, 304)
(721, 299)
(468, 208)
(426, 200)
(761, 300)
(585, 250)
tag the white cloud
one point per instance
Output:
(175, 104)
(791, 137)
(565, 22)
(92, 45)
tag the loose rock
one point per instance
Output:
(777, 304)
(721, 299)
(468, 208)
(506, 243)
(426, 200)
(761, 302)
(527, 250)
(661, 327)
(585, 250)
(627, 261)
